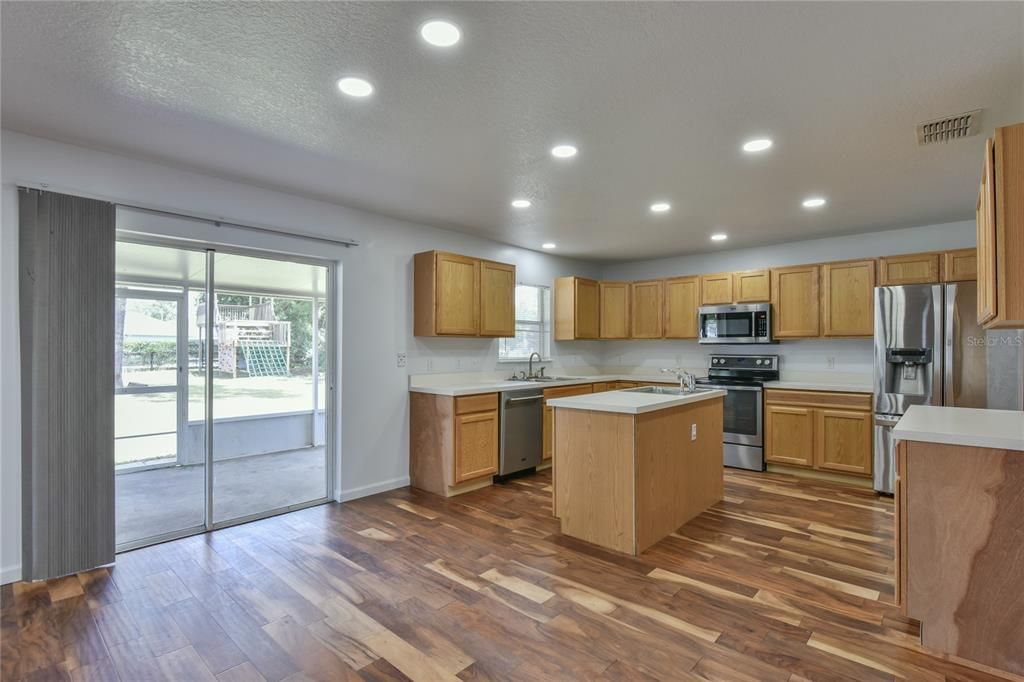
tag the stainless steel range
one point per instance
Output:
(742, 377)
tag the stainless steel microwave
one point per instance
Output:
(741, 323)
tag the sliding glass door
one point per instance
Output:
(188, 458)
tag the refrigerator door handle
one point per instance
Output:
(951, 324)
(886, 421)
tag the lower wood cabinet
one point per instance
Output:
(823, 430)
(843, 441)
(789, 435)
(559, 392)
(453, 442)
(476, 445)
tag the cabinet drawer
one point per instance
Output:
(856, 401)
(566, 391)
(482, 402)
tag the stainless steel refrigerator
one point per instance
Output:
(929, 350)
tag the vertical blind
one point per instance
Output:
(66, 263)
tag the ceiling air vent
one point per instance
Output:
(949, 128)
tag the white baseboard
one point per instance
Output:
(372, 489)
(10, 574)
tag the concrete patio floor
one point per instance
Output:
(162, 500)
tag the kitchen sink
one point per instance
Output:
(543, 379)
(668, 390)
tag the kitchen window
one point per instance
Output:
(533, 325)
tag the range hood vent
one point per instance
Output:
(949, 128)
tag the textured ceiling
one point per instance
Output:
(658, 97)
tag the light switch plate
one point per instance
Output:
(830, 362)
(693, 432)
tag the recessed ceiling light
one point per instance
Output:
(548, 245)
(660, 207)
(440, 33)
(521, 203)
(720, 237)
(758, 145)
(563, 151)
(355, 87)
(814, 202)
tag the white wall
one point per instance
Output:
(376, 305)
(850, 356)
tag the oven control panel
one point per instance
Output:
(745, 362)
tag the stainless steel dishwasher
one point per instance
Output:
(522, 430)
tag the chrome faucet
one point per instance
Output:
(530, 375)
(687, 381)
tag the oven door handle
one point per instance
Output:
(732, 388)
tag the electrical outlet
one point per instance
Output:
(830, 362)
(693, 432)
(430, 364)
(400, 360)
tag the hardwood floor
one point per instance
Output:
(787, 579)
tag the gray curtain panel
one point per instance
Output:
(66, 252)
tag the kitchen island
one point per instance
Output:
(632, 466)
(959, 529)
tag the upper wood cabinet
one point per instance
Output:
(847, 298)
(497, 299)
(614, 316)
(751, 286)
(1001, 231)
(646, 309)
(716, 289)
(577, 309)
(795, 301)
(455, 295)
(682, 298)
(914, 268)
(960, 265)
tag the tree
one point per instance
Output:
(120, 306)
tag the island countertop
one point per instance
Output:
(1000, 429)
(632, 402)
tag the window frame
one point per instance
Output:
(543, 326)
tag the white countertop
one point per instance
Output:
(842, 386)
(630, 402)
(1000, 429)
(494, 386)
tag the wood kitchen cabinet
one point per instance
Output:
(751, 286)
(497, 299)
(847, 298)
(960, 265)
(453, 442)
(455, 295)
(843, 441)
(549, 394)
(823, 430)
(795, 302)
(1000, 231)
(647, 309)
(789, 435)
(716, 289)
(577, 308)
(614, 316)
(913, 268)
(682, 298)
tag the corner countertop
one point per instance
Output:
(999, 429)
(496, 386)
(631, 402)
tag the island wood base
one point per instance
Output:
(960, 550)
(625, 481)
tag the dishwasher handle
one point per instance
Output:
(527, 399)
